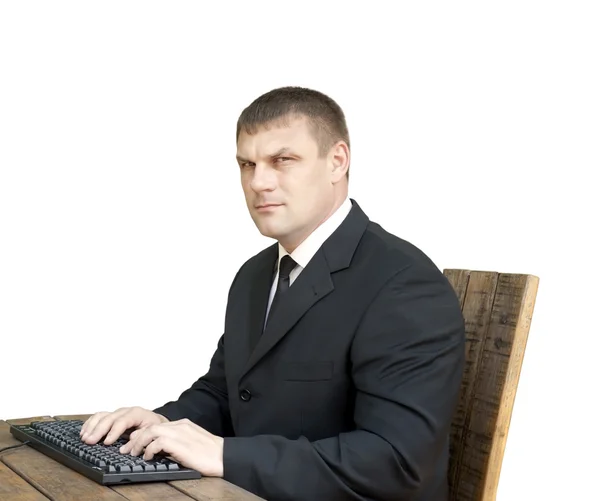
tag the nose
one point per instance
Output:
(263, 179)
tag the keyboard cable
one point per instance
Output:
(15, 446)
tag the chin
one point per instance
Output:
(269, 233)
(265, 229)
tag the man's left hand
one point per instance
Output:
(185, 442)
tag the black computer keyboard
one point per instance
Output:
(102, 463)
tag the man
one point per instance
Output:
(339, 369)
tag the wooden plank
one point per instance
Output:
(151, 492)
(459, 279)
(213, 489)
(477, 309)
(27, 420)
(506, 342)
(68, 417)
(55, 480)
(48, 476)
(14, 488)
(499, 331)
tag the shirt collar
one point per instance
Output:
(309, 247)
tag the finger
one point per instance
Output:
(156, 446)
(121, 424)
(145, 436)
(91, 422)
(150, 434)
(179, 422)
(98, 430)
(128, 446)
(103, 427)
(187, 424)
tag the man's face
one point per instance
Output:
(289, 190)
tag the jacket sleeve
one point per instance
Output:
(407, 361)
(205, 402)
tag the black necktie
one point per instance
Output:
(286, 265)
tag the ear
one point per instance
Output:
(339, 161)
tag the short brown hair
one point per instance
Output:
(325, 116)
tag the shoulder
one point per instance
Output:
(266, 255)
(393, 253)
(256, 264)
(407, 285)
(400, 271)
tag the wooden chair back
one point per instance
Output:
(497, 308)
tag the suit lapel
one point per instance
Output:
(312, 285)
(260, 289)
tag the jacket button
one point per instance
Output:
(245, 395)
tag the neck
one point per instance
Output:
(291, 244)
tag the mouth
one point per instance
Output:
(266, 207)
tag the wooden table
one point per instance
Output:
(26, 474)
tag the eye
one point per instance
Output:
(246, 165)
(282, 159)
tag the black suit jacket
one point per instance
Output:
(350, 391)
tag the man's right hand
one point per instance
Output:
(113, 424)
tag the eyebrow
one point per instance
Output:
(280, 151)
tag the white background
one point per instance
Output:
(475, 133)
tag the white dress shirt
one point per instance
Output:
(307, 249)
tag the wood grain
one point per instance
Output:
(509, 330)
(6, 439)
(27, 420)
(68, 417)
(55, 480)
(459, 280)
(477, 308)
(497, 309)
(14, 488)
(151, 492)
(213, 489)
(48, 476)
